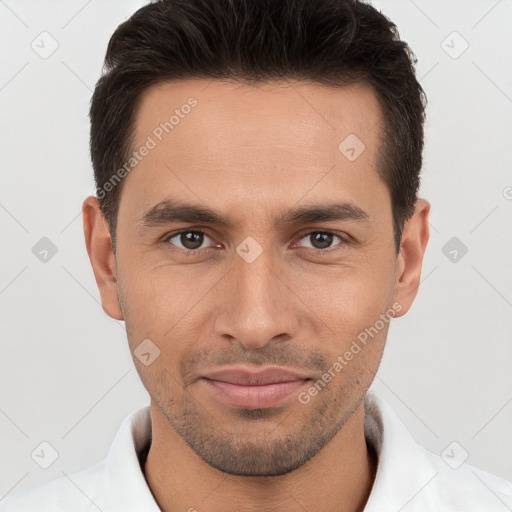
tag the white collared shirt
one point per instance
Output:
(409, 478)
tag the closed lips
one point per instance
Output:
(261, 378)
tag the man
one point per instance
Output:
(257, 227)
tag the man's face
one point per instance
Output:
(252, 155)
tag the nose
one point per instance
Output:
(258, 305)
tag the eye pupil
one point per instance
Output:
(325, 240)
(191, 239)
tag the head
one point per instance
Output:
(257, 168)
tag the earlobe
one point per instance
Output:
(99, 247)
(409, 262)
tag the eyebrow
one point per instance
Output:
(168, 211)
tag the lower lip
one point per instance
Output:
(255, 397)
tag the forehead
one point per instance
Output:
(294, 112)
(255, 143)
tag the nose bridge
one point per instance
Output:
(255, 280)
(258, 306)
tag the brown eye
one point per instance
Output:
(321, 240)
(188, 240)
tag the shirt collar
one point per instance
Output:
(125, 480)
(403, 469)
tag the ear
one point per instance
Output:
(415, 236)
(99, 248)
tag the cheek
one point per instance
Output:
(347, 299)
(140, 304)
(166, 305)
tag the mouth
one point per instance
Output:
(255, 390)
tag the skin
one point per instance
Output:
(252, 153)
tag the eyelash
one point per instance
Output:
(192, 253)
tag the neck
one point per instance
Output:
(339, 477)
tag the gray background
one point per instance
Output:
(66, 375)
